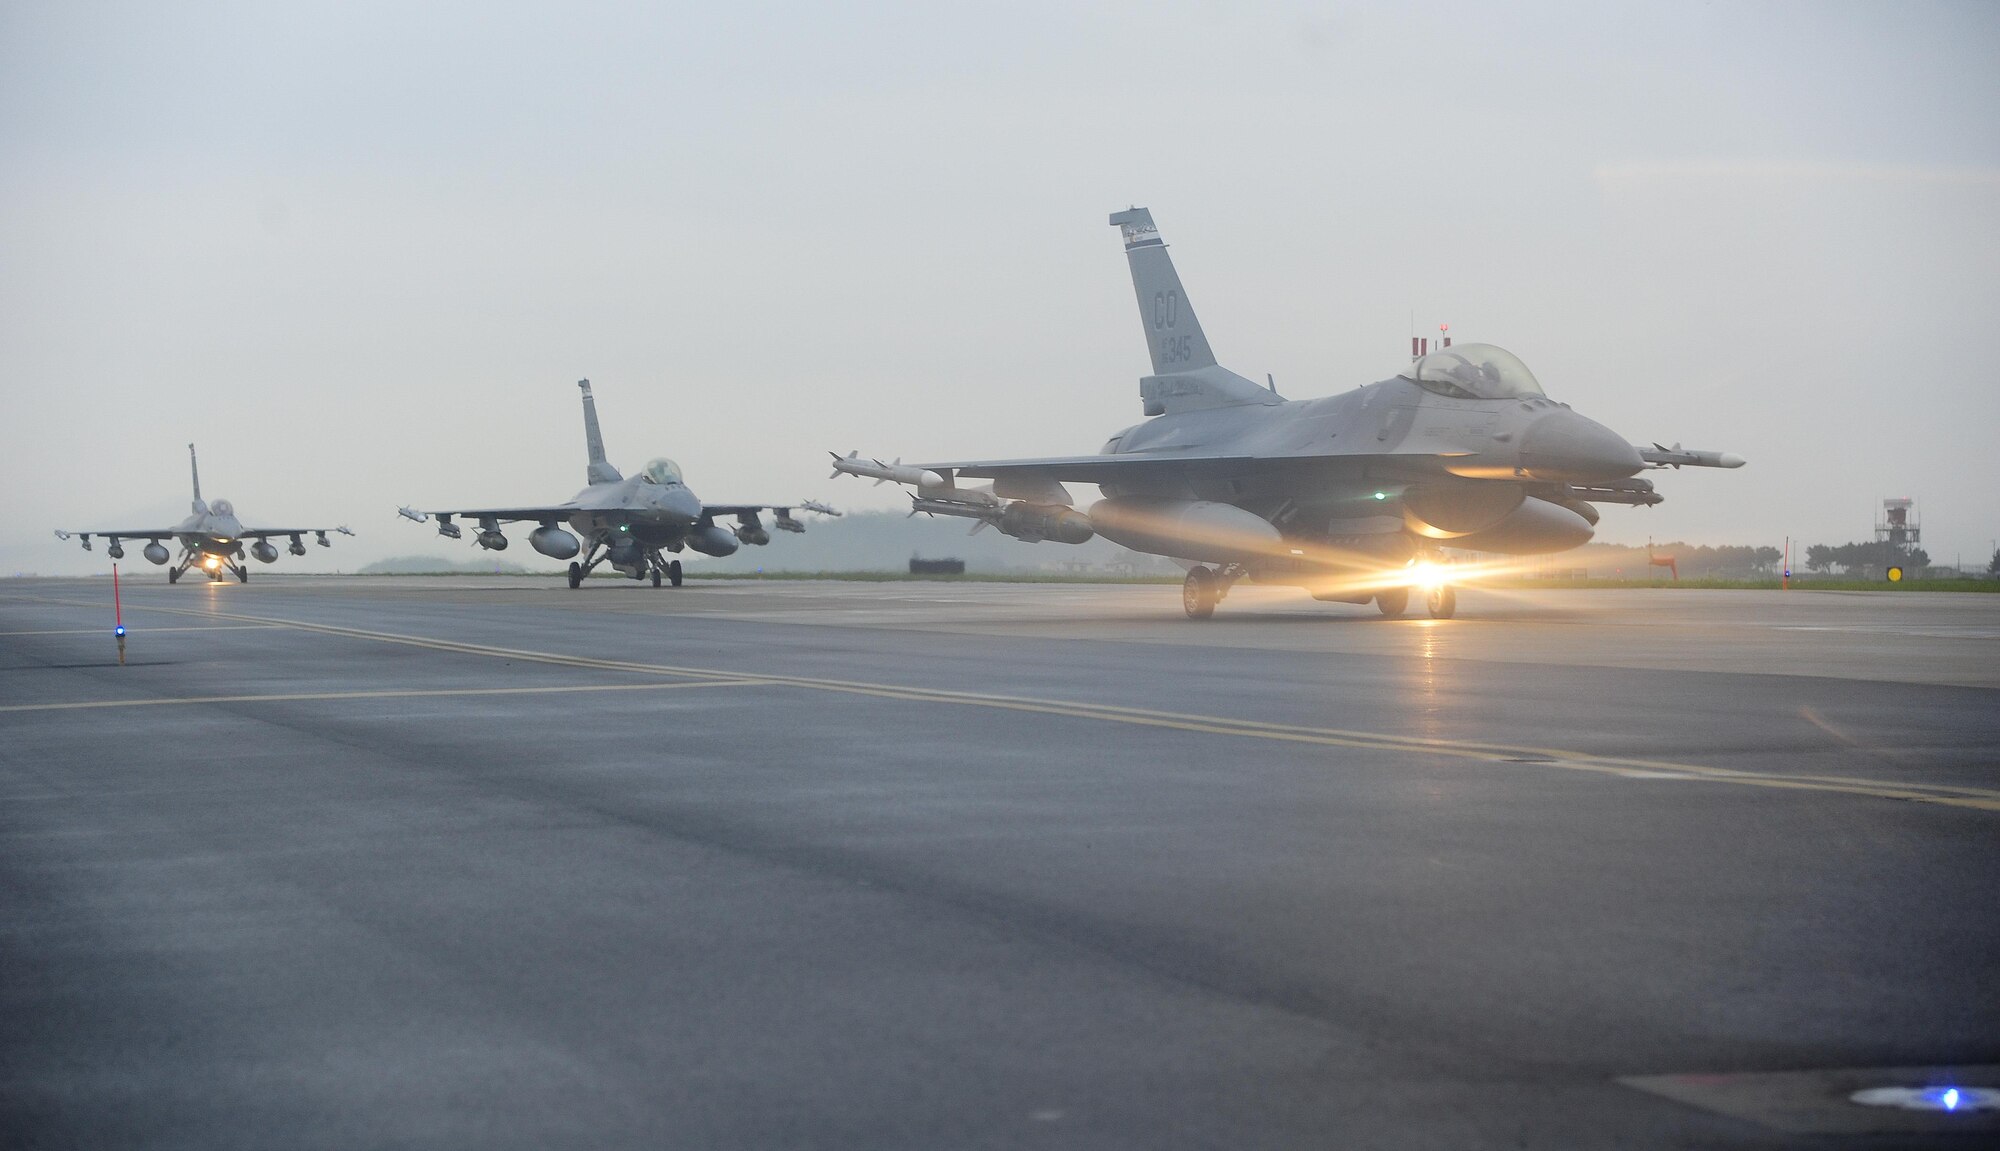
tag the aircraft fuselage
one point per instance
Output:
(1378, 470)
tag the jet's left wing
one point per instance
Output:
(750, 528)
(708, 510)
(148, 534)
(1093, 469)
(498, 515)
(266, 533)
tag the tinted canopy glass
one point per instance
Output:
(661, 471)
(1474, 372)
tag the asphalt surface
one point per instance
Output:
(493, 863)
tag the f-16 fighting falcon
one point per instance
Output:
(628, 522)
(212, 537)
(1351, 497)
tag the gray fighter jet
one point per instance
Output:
(212, 537)
(1352, 497)
(629, 522)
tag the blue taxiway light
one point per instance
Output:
(119, 630)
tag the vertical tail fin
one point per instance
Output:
(1173, 335)
(1185, 375)
(600, 471)
(194, 467)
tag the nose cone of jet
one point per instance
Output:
(1565, 446)
(682, 504)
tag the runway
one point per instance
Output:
(477, 862)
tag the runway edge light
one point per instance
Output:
(117, 616)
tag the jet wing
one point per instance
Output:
(148, 534)
(1092, 469)
(266, 533)
(711, 510)
(509, 515)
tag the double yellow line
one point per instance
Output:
(1947, 795)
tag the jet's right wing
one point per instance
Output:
(1094, 469)
(498, 515)
(154, 534)
(484, 518)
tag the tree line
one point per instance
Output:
(1866, 559)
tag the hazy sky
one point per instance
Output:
(360, 253)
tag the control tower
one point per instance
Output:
(1898, 525)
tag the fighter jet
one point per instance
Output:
(1352, 497)
(629, 522)
(211, 537)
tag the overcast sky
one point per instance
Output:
(360, 253)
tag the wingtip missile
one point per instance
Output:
(410, 513)
(852, 464)
(818, 507)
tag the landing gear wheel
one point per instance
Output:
(1198, 593)
(656, 577)
(674, 573)
(1393, 602)
(242, 575)
(173, 575)
(576, 575)
(1441, 602)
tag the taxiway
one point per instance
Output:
(494, 863)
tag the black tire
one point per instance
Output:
(656, 577)
(1198, 593)
(1441, 602)
(1393, 602)
(576, 575)
(674, 573)
(242, 575)
(173, 575)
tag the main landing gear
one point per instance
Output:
(1206, 587)
(1441, 601)
(1198, 594)
(657, 567)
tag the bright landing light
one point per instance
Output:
(1428, 575)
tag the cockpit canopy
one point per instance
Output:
(662, 471)
(220, 508)
(1474, 372)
